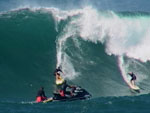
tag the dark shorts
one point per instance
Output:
(133, 78)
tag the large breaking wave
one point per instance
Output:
(94, 48)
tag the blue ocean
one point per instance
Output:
(96, 43)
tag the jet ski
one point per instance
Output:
(78, 94)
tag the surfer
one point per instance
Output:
(133, 78)
(62, 85)
(41, 95)
(57, 70)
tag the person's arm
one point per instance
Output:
(71, 86)
(130, 74)
(57, 70)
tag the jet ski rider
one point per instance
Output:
(41, 95)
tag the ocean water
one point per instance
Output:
(95, 42)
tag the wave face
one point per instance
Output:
(28, 52)
(94, 48)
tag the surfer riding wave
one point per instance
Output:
(133, 78)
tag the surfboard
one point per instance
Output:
(134, 88)
(48, 100)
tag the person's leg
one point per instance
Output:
(133, 82)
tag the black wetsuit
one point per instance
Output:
(64, 86)
(41, 93)
(57, 70)
(133, 76)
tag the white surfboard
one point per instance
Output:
(48, 100)
(134, 87)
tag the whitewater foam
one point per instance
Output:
(122, 36)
